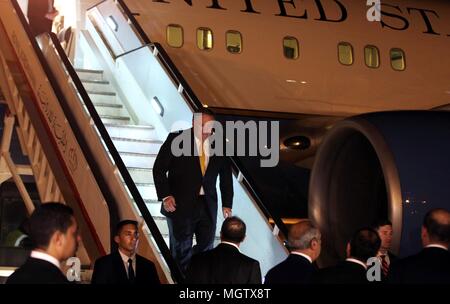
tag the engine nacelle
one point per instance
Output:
(393, 165)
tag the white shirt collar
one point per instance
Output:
(303, 255)
(125, 258)
(45, 257)
(436, 246)
(357, 262)
(232, 244)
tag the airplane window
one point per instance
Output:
(174, 35)
(290, 47)
(234, 42)
(372, 56)
(204, 38)
(398, 61)
(345, 53)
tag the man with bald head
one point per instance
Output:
(298, 268)
(432, 264)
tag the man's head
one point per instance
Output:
(305, 238)
(436, 228)
(364, 244)
(384, 229)
(200, 120)
(54, 230)
(233, 230)
(127, 236)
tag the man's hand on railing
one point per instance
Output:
(169, 204)
(226, 212)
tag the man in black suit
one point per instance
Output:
(124, 266)
(364, 244)
(432, 264)
(40, 16)
(185, 176)
(384, 229)
(225, 264)
(304, 242)
(54, 232)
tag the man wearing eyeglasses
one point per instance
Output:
(125, 266)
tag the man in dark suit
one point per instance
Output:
(432, 264)
(364, 244)
(54, 233)
(304, 242)
(124, 266)
(384, 229)
(185, 176)
(40, 16)
(225, 264)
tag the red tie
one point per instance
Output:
(384, 265)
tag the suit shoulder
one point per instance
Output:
(104, 260)
(144, 260)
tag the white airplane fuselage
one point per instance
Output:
(261, 78)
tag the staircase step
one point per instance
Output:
(98, 98)
(137, 145)
(147, 191)
(132, 131)
(86, 74)
(115, 120)
(141, 175)
(97, 86)
(139, 160)
(104, 110)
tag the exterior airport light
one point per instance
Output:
(291, 81)
(303, 82)
(205, 105)
(157, 106)
(297, 142)
(112, 23)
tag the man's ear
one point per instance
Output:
(117, 239)
(348, 250)
(57, 238)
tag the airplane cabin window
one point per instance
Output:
(290, 47)
(398, 61)
(204, 38)
(174, 35)
(345, 53)
(234, 42)
(372, 56)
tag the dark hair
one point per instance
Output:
(120, 225)
(365, 244)
(48, 219)
(380, 223)
(437, 224)
(233, 230)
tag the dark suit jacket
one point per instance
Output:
(182, 177)
(223, 265)
(344, 273)
(111, 270)
(431, 265)
(36, 271)
(294, 270)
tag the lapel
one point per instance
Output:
(120, 267)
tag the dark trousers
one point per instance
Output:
(182, 231)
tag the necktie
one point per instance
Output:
(203, 160)
(131, 276)
(384, 265)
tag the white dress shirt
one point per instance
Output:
(125, 259)
(232, 244)
(357, 262)
(45, 257)
(436, 246)
(303, 255)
